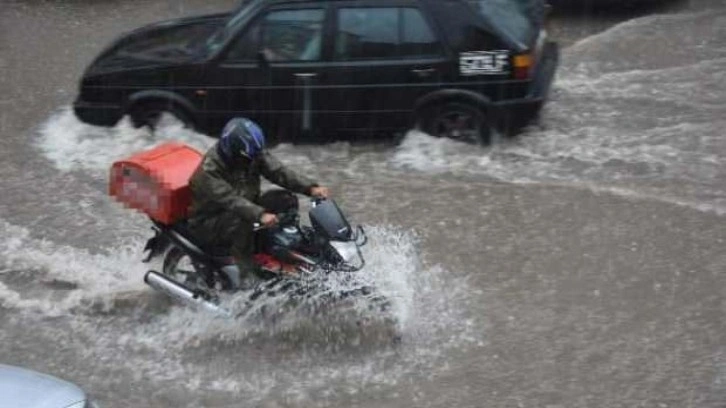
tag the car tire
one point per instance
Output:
(458, 121)
(149, 114)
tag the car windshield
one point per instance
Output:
(510, 16)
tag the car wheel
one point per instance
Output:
(149, 114)
(457, 121)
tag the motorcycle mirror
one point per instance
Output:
(315, 201)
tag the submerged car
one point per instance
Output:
(335, 68)
(20, 387)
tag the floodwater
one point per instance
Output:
(579, 264)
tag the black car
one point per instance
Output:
(306, 68)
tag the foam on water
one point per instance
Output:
(649, 120)
(73, 145)
(70, 144)
(429, 319)
(655, 114)
(392, 264)
(642, 43)
(391, 258)
(435, 326)
(98, 276)
(609, 125)
(393, 268)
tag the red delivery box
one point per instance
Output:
(156, 181)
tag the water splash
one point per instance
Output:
(73, 145)
(650, 122)
(178, 344)
(85, 278)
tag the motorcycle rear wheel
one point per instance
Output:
(181, 268)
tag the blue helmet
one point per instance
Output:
(241, 137)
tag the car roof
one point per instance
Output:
(20, 387)
(484, 19)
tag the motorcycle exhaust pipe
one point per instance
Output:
(177, 291)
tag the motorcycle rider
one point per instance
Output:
(226, 189)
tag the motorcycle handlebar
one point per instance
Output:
(282, 218)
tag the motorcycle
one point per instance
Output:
(286, 254)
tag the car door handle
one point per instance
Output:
(423, 72)
(305, 78)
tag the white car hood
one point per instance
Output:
(29, 389)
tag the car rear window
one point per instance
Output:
(512, 17)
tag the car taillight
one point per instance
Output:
(522, 66)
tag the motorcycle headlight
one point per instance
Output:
(347, 250)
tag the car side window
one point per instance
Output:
(283, 36)
(418, 37)
(245, 48)
(383, 33)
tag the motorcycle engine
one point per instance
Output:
(280, 241)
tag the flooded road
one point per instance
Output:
(577, 265)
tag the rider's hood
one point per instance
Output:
(238, 163)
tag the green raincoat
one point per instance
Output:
(224, 199)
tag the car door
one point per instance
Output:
(385, 55)
(269, 72)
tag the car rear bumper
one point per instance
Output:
(514, 113)
(99, 114)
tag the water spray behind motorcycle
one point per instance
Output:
(286, 254)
